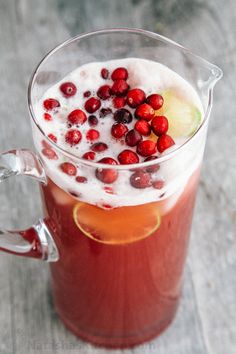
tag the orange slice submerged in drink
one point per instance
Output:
(119, 225)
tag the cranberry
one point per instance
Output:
(107, 175)
(50, 154)
(108, 160)
(153, 168)
(158, 184)
(119, 88)
(127, 157)
(123, 116)
(104, 73)
(140, 179)
(90, 155)
(92, 105)
(133, 138)
(73, 136)
(68, 89)
(99, 147)
(104, 112)
(159, 125)
(81, 179)
(77, 117)
(119, 102)
(92, 120)
(144, 111)
(68, 168)
(52, 137)
(50, 103)
(143, 127)
(119, 74)
(47, 116)
(155, 100)
(92, 135)
(87, 94)
(135, 97)
(118, 130)
(164, 142)
(146, 148)
(104, 92)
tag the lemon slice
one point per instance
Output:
(119, 225)
(184, 118)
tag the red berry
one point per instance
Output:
(133, 138)
(155, 100)
(123, 116)
(119, 88)
(47, 116)
(73, 136)
(92, 105)
(68, 168)
(159, 125)
(77, 117)
(146, 148)
(87, 94)
(107, 175)
(92, 120)
(104, 92)
(108, 160)
(118, 102)
(92, 135)
(118, 130)
(99, 147)
(140, 179)
(104, 73)
(127, 157)
(143, 127)
(81, 179)
(68, 89)
(50, 154)
(119, 74)
(90, 155)
(158, 184)
(144, 111)
(50, 103)
(135, 97)
(164, 142)
(104, 112)
(153, 168)
(52, 137)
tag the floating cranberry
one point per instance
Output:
(68, 89)
(73, 136)
(119, 88)
(52, 137)
(156, 101)
(47, 116)
(92, 134)
(50, 103)
(158, 184)
(90, 155)
(133, 138)
(108, 160)
(118, 130)
(104, 112)
(144, 111)
(104, 92)
(146, 148)
(68, 168)
(164, 142)
(123, 116)
(159, 125)
(127, 157)
(92, 120)
(92, 105)
(143, 127)
(87, 94)
(104, 73)
(107, 175)
(81, 179)
(140, 180)
(77, 117)
(99, 147)
(153, 168)
(119, 74)
(50, 154)
(119, 102)
(135, 97)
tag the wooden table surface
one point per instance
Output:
(206, 320)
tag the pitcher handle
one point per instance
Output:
(37, 241)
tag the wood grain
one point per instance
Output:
(206, 321)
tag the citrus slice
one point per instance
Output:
(119, 225)
(184, 118)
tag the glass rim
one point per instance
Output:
(216, 74)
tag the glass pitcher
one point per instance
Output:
(113, 284)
